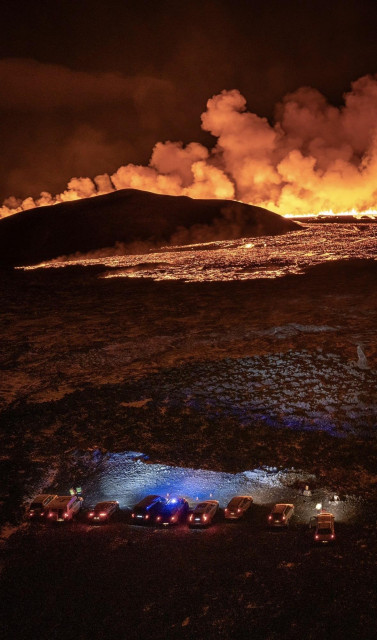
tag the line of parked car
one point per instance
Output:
(157, 510)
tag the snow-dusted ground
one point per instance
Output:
(297, 389)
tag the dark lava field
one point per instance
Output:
(223, 376)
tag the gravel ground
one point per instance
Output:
(231, 580)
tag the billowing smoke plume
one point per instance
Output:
(314, 157)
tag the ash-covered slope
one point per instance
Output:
(128, 216)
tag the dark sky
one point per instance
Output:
(89, 85)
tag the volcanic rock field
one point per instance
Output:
(188, 372)
(274, 380)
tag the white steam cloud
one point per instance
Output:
(314, 157)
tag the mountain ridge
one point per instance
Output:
(128, 216)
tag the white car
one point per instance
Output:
(64, 508)
(237, 507)
(281, 515)
(324, 527)
(203, 513)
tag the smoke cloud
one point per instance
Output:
(313, 157)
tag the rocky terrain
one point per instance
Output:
(226, 376)
(126, 219)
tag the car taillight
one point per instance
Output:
(146, 516)
(226, 510)
(270, 517)
(31, 513)
(191, 517)
(42, 513)
(173, 518)
(50, 514)
(204, 517)
(66, 515)
(238, 510)
(158, 518)
(102, 514)
(332, 536)
(283, 518)
(316, 537)
(132, 515)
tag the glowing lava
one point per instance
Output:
(353, 213)
(264, 257)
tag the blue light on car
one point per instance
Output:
(173, 500)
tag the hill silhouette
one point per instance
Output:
(128, 216)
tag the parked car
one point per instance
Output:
(38, 507)
(324, 528)
(203, 513)
(175, 510)
(237, 507)
(64, 508)
(146, 511)
(103, 511)
(281, 515)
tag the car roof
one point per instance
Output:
(206, 503)
(60, 501)
(281, 506)
(175, 502)
(147, 500)
(325, 516)
(105, 503)
(43, 496)
(168, 507)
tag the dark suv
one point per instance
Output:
(147, 510)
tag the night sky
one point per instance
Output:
(89, 85)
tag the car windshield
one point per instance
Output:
(101, 505)
(36, 505)
(324, 531)
(146, 502)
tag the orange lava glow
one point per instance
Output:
(313, 158)
(368, 213)
(242, 259)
